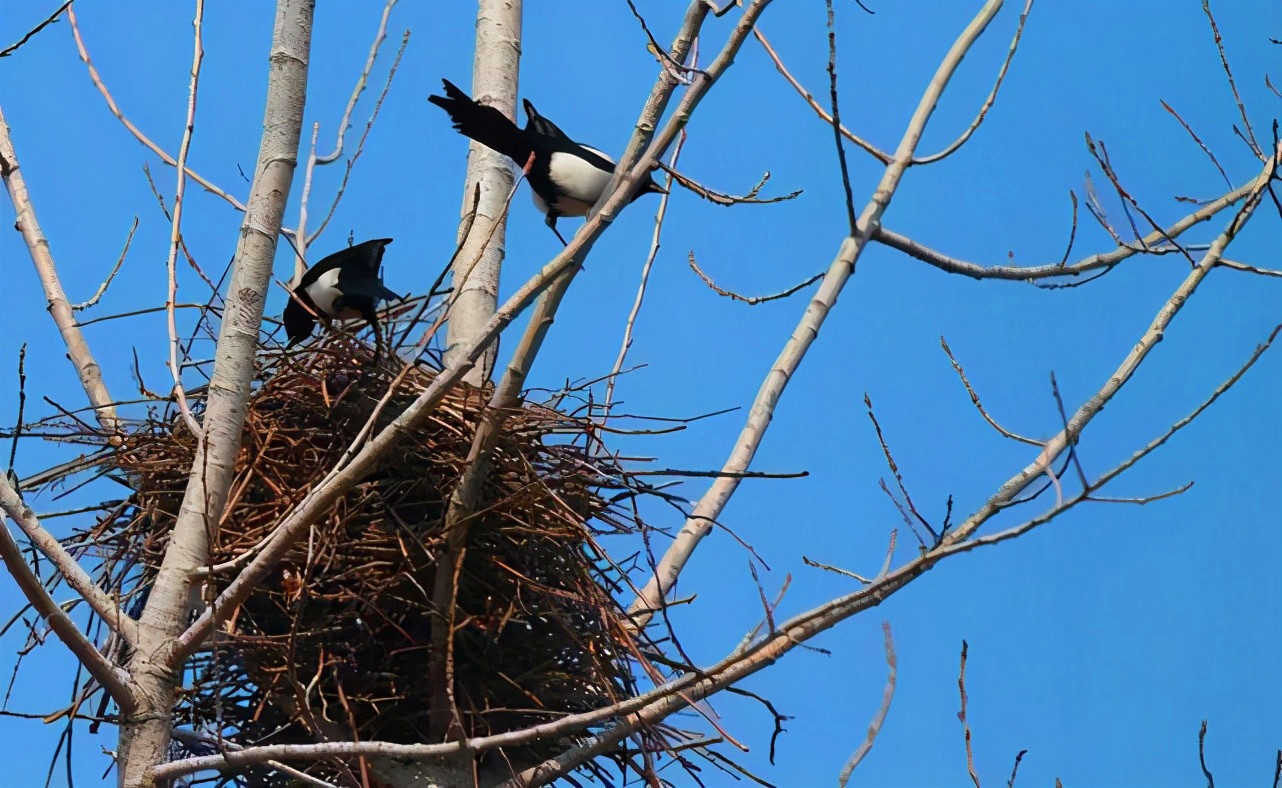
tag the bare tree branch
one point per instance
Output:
(961, 715)
(114, 680)
(710, 506)
(879, 718)
(175, 231)
(1124, 251)
(1084, 414)
(992, 94)
(9, 50)
(38, 247)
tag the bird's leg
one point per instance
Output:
(550, 221)
(378, 338)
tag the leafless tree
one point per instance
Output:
(193, 602)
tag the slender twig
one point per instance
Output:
(22, 406)
(836, 119)
(175, 233)
(9, 50)
(1014, 770)
(750, 300)
(1228, 73)
(114, 680)
(1201, 755)
(1199, 142)
(974, 398)
(1184, 422)
(114, 270)
(884, 158)
(346, 121)
(626, 344)
(1124, 251)
(134, 130)
(723, 199)
(710, 506)
(992, 94)
(300, 247)
(879, 718)
(836, 570)
(360, 144)
(961, 715)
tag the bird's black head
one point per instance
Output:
(298, 321)
(651, 187)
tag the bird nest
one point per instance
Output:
(340, 632)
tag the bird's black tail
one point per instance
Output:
(486, 125)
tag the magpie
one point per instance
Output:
(342, 286)
(567, 178)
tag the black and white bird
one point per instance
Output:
(567, 178)
(342, 286)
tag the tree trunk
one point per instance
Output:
(144, 739)
(495, 71)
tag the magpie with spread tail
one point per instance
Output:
(342, 286)
(567, 178)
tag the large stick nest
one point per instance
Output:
(339, 634)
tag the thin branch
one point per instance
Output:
(880, 717)
(346, 122)
(9, 50)
(59, 308)
(134, 130)
(836, 119)
(749, 300)
(1184, 422)
(114, 680)
(974, 398)
(1199, 142)
(1201, 755)
(175, 231)
(884, 158)
(115, 269)
(626, 344)
(961, 715)
(1228, 73)
(723, 199)
(360, 144)
(1115, 382)
(710, 506)
(992, 94)
(836, 570)
(1019, 756)
(1124, 251)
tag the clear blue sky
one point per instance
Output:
(1098, 642)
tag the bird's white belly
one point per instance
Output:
(325, 295)
(580, 184)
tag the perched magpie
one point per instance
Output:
(344, 285)
(567, 178)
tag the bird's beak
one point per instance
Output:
(652, 186)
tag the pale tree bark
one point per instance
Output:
(495, 73)
(144, 737)
(38, 246)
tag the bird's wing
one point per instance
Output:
(486, 125)
(364, 257)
